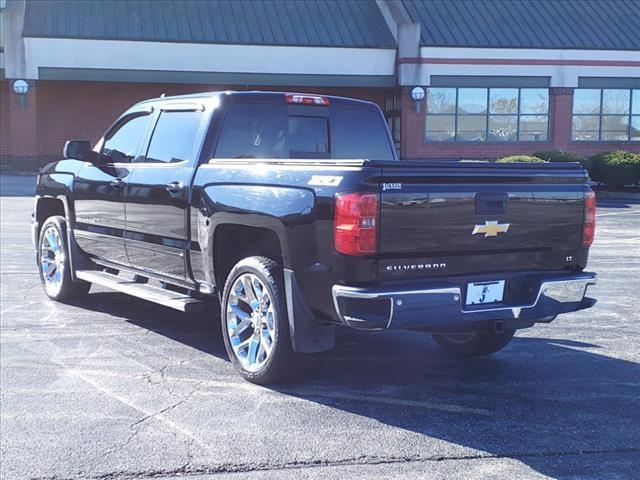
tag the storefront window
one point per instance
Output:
(634, 130)
(472, 100)
(487, 114)
(472, 128)
(607, 115)
(441, 128)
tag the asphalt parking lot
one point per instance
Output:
(114, 387)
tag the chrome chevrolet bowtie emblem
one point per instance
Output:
(491, 228)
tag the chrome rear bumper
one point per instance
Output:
(441, 307)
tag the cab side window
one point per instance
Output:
(254, 131)
(122, 144)
(174, 137)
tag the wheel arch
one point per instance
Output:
(48, 206)
(53, 192)
(234, 241)
(275, 216)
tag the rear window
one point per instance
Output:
(308, 137)
(357, 133)
(254, 131)
(268, 131)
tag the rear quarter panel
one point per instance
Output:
(284, 199)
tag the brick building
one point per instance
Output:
(500, 77)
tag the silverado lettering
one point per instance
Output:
(415, 266)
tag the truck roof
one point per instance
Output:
(262, 97)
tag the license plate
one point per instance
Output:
(479, 293)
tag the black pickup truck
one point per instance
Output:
(294, 212)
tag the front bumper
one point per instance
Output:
(441, 307)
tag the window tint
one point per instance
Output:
(123, 144)
(266, 131)
(357, 133)
(174, 137)
(254, 131)
(308, 136)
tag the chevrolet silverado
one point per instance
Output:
(294, 214)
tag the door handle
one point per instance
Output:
(117, 183)
(175, 187)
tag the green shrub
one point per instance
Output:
(562, 156)
(558, 156)
(521, 159)
(616, 168)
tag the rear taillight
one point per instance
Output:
(589, 225)
(355, 227)
(306, 99)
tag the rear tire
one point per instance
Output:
(473, 344)
(255, 327)
(53, 262)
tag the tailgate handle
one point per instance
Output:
(491, 203)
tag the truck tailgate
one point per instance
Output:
(479, 218)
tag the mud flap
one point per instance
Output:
(77, 259)
(307, 334)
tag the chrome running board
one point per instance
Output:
(168, 298)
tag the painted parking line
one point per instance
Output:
(636, 212)
(368, 398)
(302, 392)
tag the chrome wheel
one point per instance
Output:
(52, 257)
(251, 322)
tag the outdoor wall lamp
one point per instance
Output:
(21, 88)
(417, 93)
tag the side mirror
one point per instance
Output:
(77, 149)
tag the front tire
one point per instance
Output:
(53, 262)
(473, 344)
(255, 327)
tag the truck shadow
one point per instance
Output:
(539, 401)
